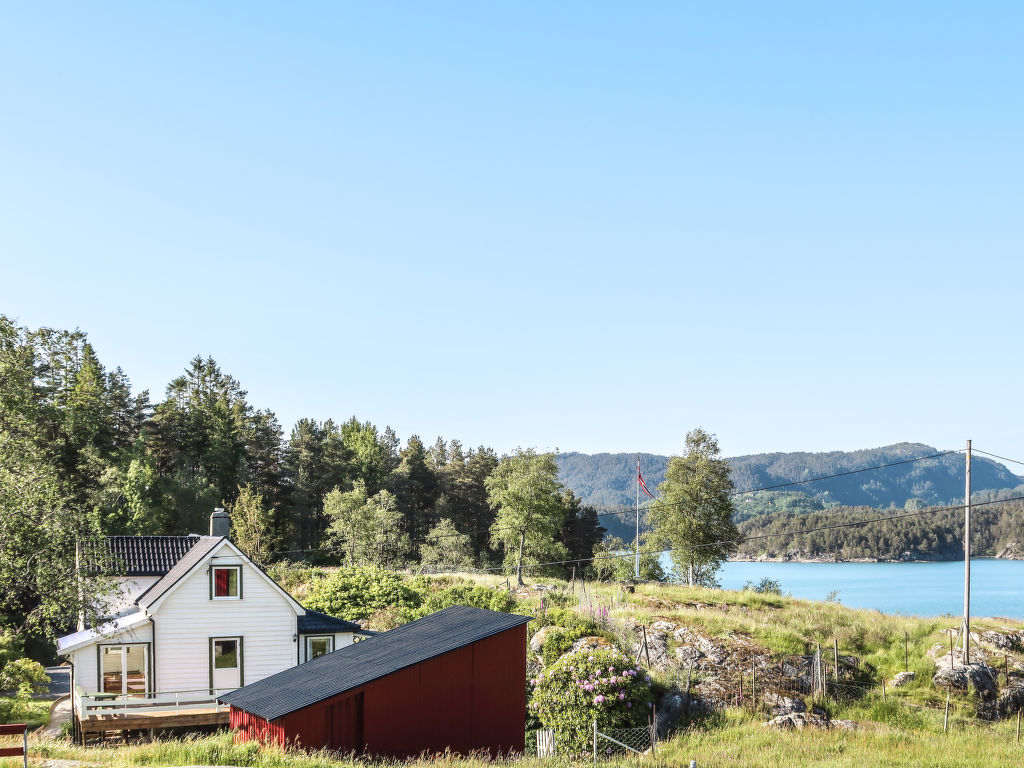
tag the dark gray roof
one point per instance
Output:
(142, 555)
(373, 658)
(314, 622)
(203, 546)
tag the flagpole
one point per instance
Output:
(636, 543)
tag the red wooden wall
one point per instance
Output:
(469, 699)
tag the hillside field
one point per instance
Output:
(905, 728)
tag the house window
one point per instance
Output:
(227, 583)
(318, 646)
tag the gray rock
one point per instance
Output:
(1011, 699)
(663, 626)
(657, 651)
(980, 676)
(901, 679)
(801, 720)
(783, 705)
(687, 654)
(1005, 642)
(797, 721)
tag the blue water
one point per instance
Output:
(913, 589)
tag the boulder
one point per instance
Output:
(657, 651)
(797, 721)
(663, 626)
(542, 635)
(591, 643)
(783, 705)
(715, 653)
(687, 654)
(1011, 699)
(1003, 641)
(980, 676)
(901, 679)
(801, 720)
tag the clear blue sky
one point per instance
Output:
(590, 226)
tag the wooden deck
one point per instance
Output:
(146, 720)
(101, 713)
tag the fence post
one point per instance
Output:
(647, 653)
(24, 748)
(906, 651)
(883, 689)
(686, 699)
(945, 716)
(595, 741)
(654, 728)
(753, 684)
(835, 651)
(1018, 726)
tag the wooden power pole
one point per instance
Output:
(965, 630)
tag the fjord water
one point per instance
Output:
(913, 589)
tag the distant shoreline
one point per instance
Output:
(1018, 557)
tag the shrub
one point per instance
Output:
(561, 643)
(356, 593)
(23, 676)
(472, 596)
(765, 587)
(581, 687)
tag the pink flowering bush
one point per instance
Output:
(579, 687)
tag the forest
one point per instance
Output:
(926, 533)
(84, 455)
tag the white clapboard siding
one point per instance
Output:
(187, 618)
(86, 660)
(341, 639)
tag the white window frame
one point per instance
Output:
(310, 638)
(213, 582)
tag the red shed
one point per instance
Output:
(455, 679)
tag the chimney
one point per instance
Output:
(220, 522)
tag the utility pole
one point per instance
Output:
(636, 542)
(965, 630)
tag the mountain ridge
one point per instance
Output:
(608, 480)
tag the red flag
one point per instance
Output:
(640, 479)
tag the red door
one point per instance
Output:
(344, 725)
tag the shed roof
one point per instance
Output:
(373, 658)
(314, 621)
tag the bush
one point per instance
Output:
(765, 587)
(581, 687)
(469, 595)
(24, 677)
(356, 593)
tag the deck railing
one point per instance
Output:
(177, 702)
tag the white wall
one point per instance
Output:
(340, 641)
(86, 659)
(187, 618)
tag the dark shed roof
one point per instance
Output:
(314, 622)
(145, 555)
(373, 658)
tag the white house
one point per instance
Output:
(194, 615)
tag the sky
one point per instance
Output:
(581, 226)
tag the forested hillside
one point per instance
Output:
(929, 536)
(84, 455)
(608, 480)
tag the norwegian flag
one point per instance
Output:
(640, 479)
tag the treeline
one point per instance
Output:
(330, 491)
(931, 535)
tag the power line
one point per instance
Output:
(997, 456)
(798, 482)
(762, 536)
